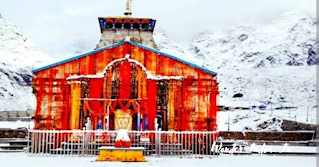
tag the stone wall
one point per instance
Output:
(113, 36)
(270, 136)
(16, 114)
(292, 125)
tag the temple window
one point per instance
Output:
(136, 26)
(127, 25)
(118, 25)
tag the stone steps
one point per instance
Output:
(14, 145)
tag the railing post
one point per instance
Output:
(83, 143)
(28, 144)
(157, 142)
(160, 135)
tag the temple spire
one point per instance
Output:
(128, 8)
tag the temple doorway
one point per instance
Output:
(162, 104)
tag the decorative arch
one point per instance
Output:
(126, 59)
(127, 76)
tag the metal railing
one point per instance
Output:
(86, 143)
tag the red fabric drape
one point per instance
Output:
(151, 103)
(125, 78)
(96, 109)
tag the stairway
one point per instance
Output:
(13, 145)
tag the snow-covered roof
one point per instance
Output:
(122, 43)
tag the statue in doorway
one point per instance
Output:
(88, 125)
(99, 125)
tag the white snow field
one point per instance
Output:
(23, 160)
(16, 124)
(240, 120)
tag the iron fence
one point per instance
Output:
(86, 143)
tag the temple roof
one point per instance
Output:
(145, 24)
(119, 44)
(105, 21)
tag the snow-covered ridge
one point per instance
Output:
(289, 40)
(166, 44)
(18, 56)
(273, 65)
(268, 64)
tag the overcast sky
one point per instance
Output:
(64, 28)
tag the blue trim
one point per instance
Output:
(121, 43)
(173, 57)
(102, 23)
(77, 57)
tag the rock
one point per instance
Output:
(312, 57)
(238, 95)
(243, 37)
(294, 62)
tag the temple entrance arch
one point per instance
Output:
(125, 83)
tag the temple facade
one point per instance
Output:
(126, 82)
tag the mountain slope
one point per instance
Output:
(167, 45)
(18, 56)
(274, 65)
(268, 65)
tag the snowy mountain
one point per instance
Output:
(166, 44)
(267, 65)
(274, 65)
(18, 56)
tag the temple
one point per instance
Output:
(126, 77)
(115, 29)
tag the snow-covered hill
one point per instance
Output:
(18, 56)
(166, 44)
(268, 65)
(272, 65)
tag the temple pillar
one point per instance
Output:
(75, 104)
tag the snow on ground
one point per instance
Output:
(23, 160)
(276, 86)
(250, 119)
(16, 124)
(275, 148)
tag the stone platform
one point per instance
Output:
(133, 154)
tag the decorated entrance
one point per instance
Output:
(112, 100)
(126, 95)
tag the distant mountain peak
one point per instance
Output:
(264, 63)
(18, 56)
